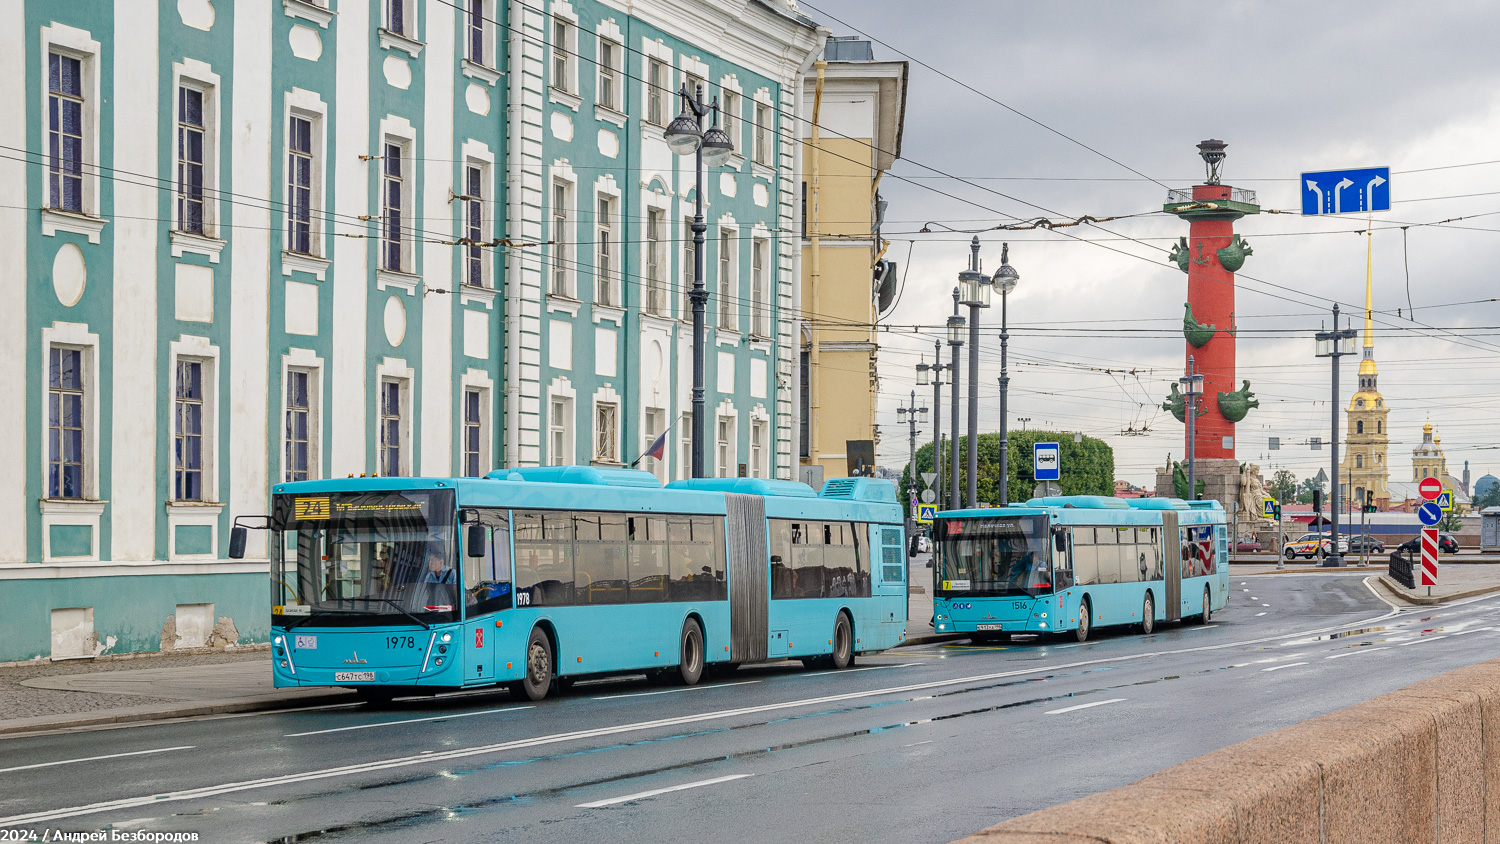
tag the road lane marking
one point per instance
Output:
(1420, 641)
(1279, 667)
(95, 758)
(1259, 614)
(674, 691)
(408, 721)
(852, 670)
(599, 804)
(1083, 706)
(601, 732)
(1358, 651)
(1265, 605)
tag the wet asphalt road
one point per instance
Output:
(924, 743)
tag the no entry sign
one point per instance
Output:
(1430, 488)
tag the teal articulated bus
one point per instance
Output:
(536, 577)
(1074, 563)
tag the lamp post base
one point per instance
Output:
(1334, 561)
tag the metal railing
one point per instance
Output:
(1235, 195)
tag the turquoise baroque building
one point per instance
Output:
(283, 239)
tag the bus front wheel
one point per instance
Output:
(843, 644)
(536, 679)
(1148, 615)
(690, 666)
(1208, 612)
(1085, 619)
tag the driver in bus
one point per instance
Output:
(438, 570)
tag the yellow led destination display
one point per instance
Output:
(311, 508)
(308, 508)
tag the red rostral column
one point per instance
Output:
(1210, 255)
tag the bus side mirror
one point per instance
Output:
(474, 540)
(1059, 541)
(237, 539)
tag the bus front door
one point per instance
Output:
(1171, 540)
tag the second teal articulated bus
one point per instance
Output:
(1069, 564)
(535, 577)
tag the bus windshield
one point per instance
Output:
(364, 558)
(999, 556)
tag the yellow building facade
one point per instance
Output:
(856, 108)
(1366, 464)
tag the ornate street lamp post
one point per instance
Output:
(1005, 279)
(686, 136)
(955, 342)
(1192, 388)
(974, 291)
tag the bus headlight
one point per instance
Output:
(1044, 615)
(279, 640)
(442, 649)
(439, 660)
(447, 637)
(283, 663)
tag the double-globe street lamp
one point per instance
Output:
(975, 289)
(1005, 279)
(686, 136)
(955, 342)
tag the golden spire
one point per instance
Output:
(1367, 364)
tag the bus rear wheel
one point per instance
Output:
(1208, 612)
(690, 666)
(1148, 615)
(536, 679)
(843, 644)
(1085, 618)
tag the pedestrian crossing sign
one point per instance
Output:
(925, 513)
(1268, 508)
(1445, 501)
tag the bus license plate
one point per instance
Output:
(351, 676)
(988, 627)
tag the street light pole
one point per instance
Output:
(1335, 344)
(955, 342)
(1005, 279)
(910, 412)
(936, 370)
(686, 136)
(1192, 387)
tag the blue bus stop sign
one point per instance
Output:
(1048, 462)
(1430, 514)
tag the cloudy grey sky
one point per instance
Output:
(1292, 87)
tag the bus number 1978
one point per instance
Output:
(400, 642)
(523, 599)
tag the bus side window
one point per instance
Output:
(648, 559)
(1062, 562)
(781, 558)
(808, 574)
(487, 578)
(544, 558)
(1085, 557)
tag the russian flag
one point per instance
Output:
(658, 449)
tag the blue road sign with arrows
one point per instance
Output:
(1346, 191)
(1429, 514)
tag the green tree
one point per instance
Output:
(1283, 486)
(1088, 467)
(1305, 490)
(1491, 498)
(1450, 523)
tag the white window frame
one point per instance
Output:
(607, 275)
(476, 381)
(732, 108)
(563, 90)
(199, 76)
(79, 44)
(398, 132)
(763, 141)
(760, 283)
(760, 452)
(408, 10)
(477, 155)
(70, 335)
(306, 361)
(726, 442)
(485, 32)
(306, 105)
(563, 233)
(726, 277)
(685, 445)
(654, 260)
(608, 63)
(561, 393)
(652, 424)
(606, 430)
(394, 371)
(687, 256)
(189, 347)
(658, 88)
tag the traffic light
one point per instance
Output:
(1276, 510)
(1369, 501)
(1317, 501)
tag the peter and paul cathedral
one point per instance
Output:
(1365, 466)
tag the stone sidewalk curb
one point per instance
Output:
(137, 714)
(1397, 591)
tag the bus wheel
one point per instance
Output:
(1148, 615)
(1208, 612)
(537, 680)
(1085, 619)
(843, 644)
(690, 667)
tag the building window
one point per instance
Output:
(1359, 403)
(1379, 459)
(562, 201)
(1359, 461)
(473, 432)
(187, 430)
(1359, 427)
(685, 447)
(689, 267)
(726, 279)
(609, 79)
(398, 18)
(390, 427)
(652, 429)
(474, 225)
(1379, 427)
(562, 55)
(604, 261)
(65, 133)
(656, 92)
(758, 449)
(298, 424)
(190, 151)
(760, 305)
(729, 103)
(559, 431)
(724, 448)
(65, 423)
(299, 185)
(393, 184)
(693, 84)
(656, 277)
(804, 404)
(606, 433)
(474, 26)
(763, 130)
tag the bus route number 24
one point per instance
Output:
(393, 642)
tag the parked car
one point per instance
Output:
(1447, 544)
(1312, 545)
(1362, 544)
(1247, 544)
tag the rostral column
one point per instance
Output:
(1210, 255)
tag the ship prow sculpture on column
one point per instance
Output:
(1209, 256)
